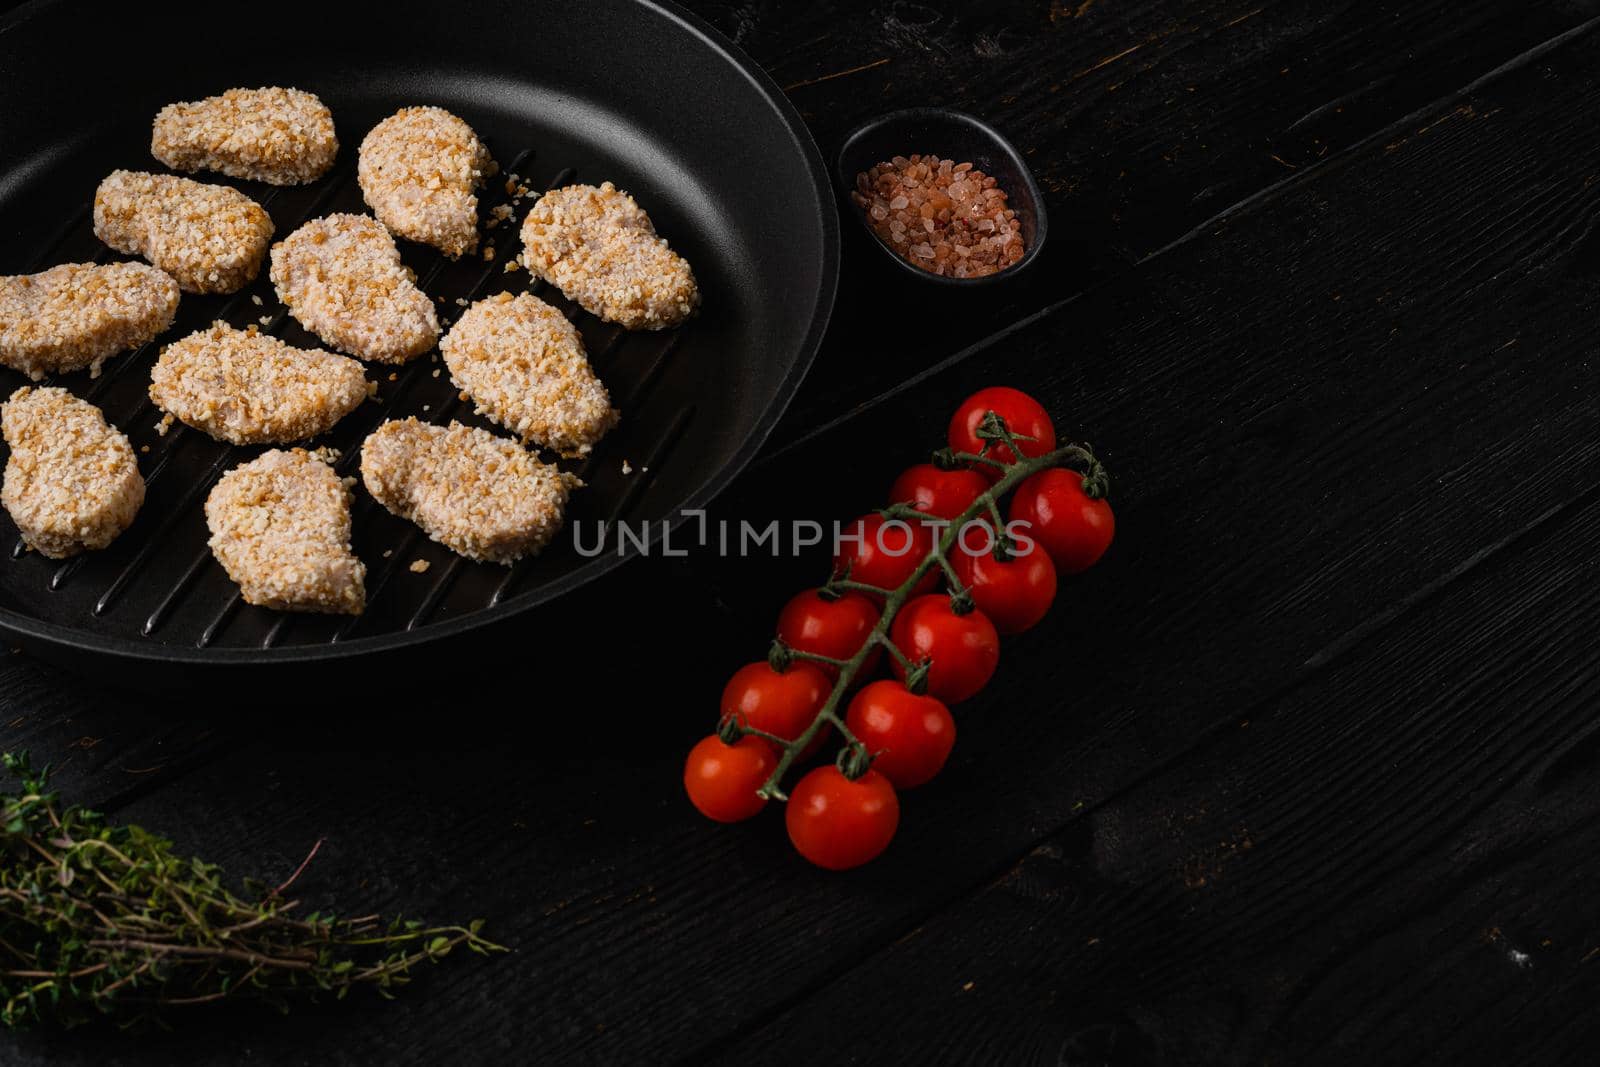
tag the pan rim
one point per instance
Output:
(28, 628)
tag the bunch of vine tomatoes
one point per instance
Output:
(946, 643)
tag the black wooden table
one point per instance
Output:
(1306, 770)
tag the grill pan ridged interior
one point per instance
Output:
(692, 400)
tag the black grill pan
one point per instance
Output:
(641, 94)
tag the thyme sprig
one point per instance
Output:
(102, 920)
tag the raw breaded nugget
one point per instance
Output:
(211, 238)
(342, 278)
(250, 389)
(419, 171)
(599, 248)
(483, 496)
(523, 364)
(280, 527)
(273, 135)
(72, 481)
(79, 315)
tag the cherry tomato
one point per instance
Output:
(1025, 418)
(722, 779)
(1074, 528)
(838, 824)
(909, 736)
(834, 628)
(938, 492)
(965, 649)
(884, 552)
(1016, 593)
(782, 704)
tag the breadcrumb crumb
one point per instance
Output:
(600, 248)
(78, 315)
(419, 170)
(482, 496)
(251, 389)
(280, 527)
(342, 279)
(273, 135)
(210, 238)
(419, 566)
(522, 362)
(72, 482)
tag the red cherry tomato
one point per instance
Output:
(838, 824)
(884, 552)
(781, 704)
(1074, 528)
(938, 492)
(1025, 418)
(965, 649)
(909, 736)
(834, 628)
(722, 779)
(1016, 593)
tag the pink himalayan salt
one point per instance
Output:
(942, 216)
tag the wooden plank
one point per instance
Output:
(1133, 150)
(1342, 360)
(1397, 856)
(1141, 118)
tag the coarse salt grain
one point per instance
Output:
(944, 217)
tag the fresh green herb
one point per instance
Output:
(107, 921)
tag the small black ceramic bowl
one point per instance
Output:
(949, 135)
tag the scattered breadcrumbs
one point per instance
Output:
(72, 481)
(273, 135)
(483, 496)
(79, 315)
(209, 237)
(940, 215)
(342, 278)
(280, 527)
(255, 298)
(599, 247)
(164, 425)
(419, 566)
(419, 170)
(251, 389)
(627, 468)
(523, 364)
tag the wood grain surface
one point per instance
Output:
(1304, 771)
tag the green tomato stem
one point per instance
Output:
(1012, 474)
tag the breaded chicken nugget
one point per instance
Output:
(483, 496)
(419, 171)
(599, 248)
(280, 527)
(211, 238)
(79, 315)
(342, 278)
(250, 389)
(274, 135)
(523, 364)
(72, 481)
